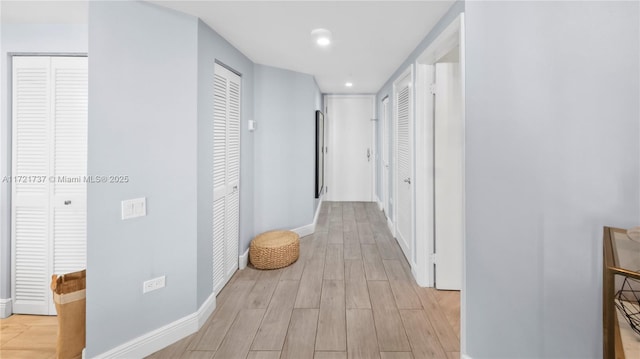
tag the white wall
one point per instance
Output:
(285, 107)
(24, 39)
(143, 72)
(552, 156)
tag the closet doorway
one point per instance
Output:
(49, 169)
(226, 174)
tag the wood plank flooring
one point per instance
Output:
(350, 295)
(28, 336)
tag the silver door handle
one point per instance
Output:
(368, 155)
(67, 202)
(235, 188)
(408, 180)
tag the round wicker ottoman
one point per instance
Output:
(274, 249)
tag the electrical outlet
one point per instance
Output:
(133, 208)
(153, 284)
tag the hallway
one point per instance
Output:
(349, 295)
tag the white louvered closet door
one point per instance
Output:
(49, 111)
(404, 165)
(226, 175)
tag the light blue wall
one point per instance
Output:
(31, 39)
(151, 101)
(387, 90)
(285, 107)
(212, 47)
(143, 84)
(552, 156)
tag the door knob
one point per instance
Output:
(408, 180)
(67, 202)
(368, 155)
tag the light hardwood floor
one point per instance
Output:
(28, 337)
(350, 295)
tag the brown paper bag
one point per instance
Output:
(69, 295)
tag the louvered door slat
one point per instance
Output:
(31, 123)
(69, 133)
(232, 233)
(233, 176)
(234, 132)
(50, 141)
(218, 245)
(30, 256)
(70, 130)
(404, 165)
(226, 175)
(219, 132)
(70, 244)
(30, 199)
(70, 100)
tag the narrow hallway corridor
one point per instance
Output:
(349, 295)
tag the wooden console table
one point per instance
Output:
(619, 255)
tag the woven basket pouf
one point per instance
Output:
(274, 249)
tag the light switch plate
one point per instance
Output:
(132, 208)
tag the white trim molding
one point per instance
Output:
(243, 260)
(6, 308)
(304, 231)
(392, 227)
(379, 202)
(162, 337)
(205, 310)
(465, 356)
(309, 229)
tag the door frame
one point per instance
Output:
(412, 121)
(329, 159)
(237, 257)
(452, 36)
(6, 155)
(7, 161)
(384, 154)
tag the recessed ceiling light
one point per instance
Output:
(349, 84)
(322, 37)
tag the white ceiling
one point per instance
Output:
(44, 12)
(370, 38)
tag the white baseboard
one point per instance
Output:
(380, 206)
(243, 260)
(6, 308)
(465, 356)
(207, 308)
(305, 230)
(315, 217)
(392, 228)
(309, 229)
(162, 337)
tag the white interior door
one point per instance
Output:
(385, 156)
(448, 176)
(350, 148)
(49, 114)
(403, 210)
(226, 175)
